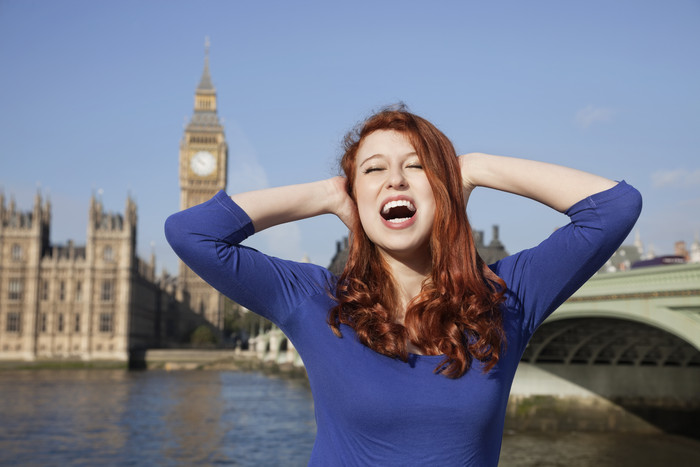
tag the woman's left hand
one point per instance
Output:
(554, 185)
(468, 184)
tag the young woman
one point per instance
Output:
(411, 352)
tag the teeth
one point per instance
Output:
(397, 203)
(399, 220)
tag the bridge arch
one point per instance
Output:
(609, 340)
(663, 297)
(678, 322)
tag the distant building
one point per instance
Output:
(633, 256)
(93, 302)
(203, 169)
(679, 249)
(623, 259)
(492, 252)
(489, 253)
(695, 250)
(100, 301)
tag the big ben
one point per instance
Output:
(203, 163)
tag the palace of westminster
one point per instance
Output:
(102, 302)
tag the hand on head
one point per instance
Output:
(342, 205)
(467, 182)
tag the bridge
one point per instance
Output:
(646, 316)
(630, 339)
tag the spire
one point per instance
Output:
(695, 250)
(495, 241)
(205, 83)
(205, 117)
(638, 242)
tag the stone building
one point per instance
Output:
(93, 302)
(203, 171)
(490, 253)
(100, 301)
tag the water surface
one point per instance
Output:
(182, 418)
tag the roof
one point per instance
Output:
(205, 83)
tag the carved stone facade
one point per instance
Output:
(100, 301)
(92, 302)
(203, 170)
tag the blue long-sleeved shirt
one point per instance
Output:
(375, 410)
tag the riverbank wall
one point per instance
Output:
(214, 359)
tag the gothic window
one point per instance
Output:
(15, 289)
(44, 294)
(62, 291)
(16, 252)
(78, 291)
(43, 323)
(59, 328)
(108, 254)
(76, 326)
(13, 322)
(106, 322)
(107, 290)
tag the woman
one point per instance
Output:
(411, 352)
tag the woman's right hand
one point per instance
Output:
(274, 206)
(340, 202)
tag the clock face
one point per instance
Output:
(203, 163)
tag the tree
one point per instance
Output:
(203, 336)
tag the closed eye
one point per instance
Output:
(415, 166)
(372, 169)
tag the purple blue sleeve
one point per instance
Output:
(207, 238)
(540, 279)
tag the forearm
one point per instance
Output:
(556, 186)
(207, 238)
(273, 206)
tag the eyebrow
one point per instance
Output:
(370, 158)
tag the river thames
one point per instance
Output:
(182, 418)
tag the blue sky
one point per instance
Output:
(94, 95)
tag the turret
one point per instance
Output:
(695, 250)
(638, 243)
(495, 241)
(131, 221)
(42, 220)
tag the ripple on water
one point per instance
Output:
(117, 417)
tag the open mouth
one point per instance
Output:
(398, 211)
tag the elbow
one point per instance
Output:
(174, 233)
(627, 214)
(639, 200)
(635, 205)
(627, 205)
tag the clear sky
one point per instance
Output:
(94, 95)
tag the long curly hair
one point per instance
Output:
(457, 313)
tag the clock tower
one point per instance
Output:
(203, 163)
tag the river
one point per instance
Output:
(183, 418)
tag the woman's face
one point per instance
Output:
(394, 199)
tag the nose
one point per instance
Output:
(397, 179)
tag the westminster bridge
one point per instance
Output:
(630, 339)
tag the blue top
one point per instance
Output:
(375, 410)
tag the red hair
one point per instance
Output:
(457, 313)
